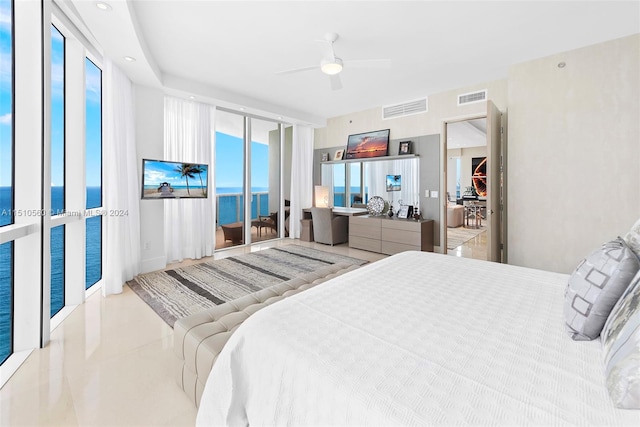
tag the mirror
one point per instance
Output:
(393, 180)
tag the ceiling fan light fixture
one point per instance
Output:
(331, 67)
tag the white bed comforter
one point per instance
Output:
(414, 339)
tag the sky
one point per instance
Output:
(5, 93)
(229, 159)
(229, 149)
(93, 108)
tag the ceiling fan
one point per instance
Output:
(332, 65)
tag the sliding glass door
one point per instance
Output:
(229, 179)
(265, 180)
(248, 150)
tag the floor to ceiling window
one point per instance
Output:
(229, 179)
(265, 179)
(6, 176)
(263, 191)
(93, 175)
(57, 187)
(50, 172)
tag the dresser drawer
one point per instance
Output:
(401, 236)
(406, 225)
(364, 230)
(364, 243)
(391, 248)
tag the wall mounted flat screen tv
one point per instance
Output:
(174, 180)
(368, 144)
(393, 182)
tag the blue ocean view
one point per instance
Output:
(231, 201)
(93, 258)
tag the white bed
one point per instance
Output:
(414, 339)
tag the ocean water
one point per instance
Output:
(231, 201)
(93, 258)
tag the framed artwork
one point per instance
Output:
(368, 144)
(479, 175)
(325, 157)
(338, 155)
(403, 212)
(405, 148)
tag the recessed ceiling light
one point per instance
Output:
(561, 64)
(130, 59)
(279, 117)
(103, 6)
(241, 108)
(192, 97)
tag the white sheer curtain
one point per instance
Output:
(301, 176)
(121, 187)
(189, 224)
(408, 169)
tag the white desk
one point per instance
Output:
(339, 210)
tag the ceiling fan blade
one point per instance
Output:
(336, 82)
(368, 63)
(296, 70)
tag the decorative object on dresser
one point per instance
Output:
(375, 205)
(338, 155)
(404, 148)
(325, 157)
(390, 235)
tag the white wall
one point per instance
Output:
(149, 110)
(574, 153)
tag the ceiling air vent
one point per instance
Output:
(470, 98)
(405, 109)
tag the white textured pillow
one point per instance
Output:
(595, 287)
(621, 349)
(632, 238)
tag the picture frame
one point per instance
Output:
(368, 144)
(325, 157)
(338, 155)
(404, 148)
(403, 212)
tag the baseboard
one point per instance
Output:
(153, 264)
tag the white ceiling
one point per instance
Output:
(467, 134)
(229, 51)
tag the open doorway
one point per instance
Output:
(481, 193)
(466, 188)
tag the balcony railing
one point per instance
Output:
(230, 207)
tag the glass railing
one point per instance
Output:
(230, 207)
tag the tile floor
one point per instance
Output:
(110, 363)
(475, 248)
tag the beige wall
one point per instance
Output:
(442, 106)
(573, 158)
(574, 153)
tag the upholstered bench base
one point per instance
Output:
(199, 338)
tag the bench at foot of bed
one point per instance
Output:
(199, 338)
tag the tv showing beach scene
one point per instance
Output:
(173, 180)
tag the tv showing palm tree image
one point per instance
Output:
(174, 180)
